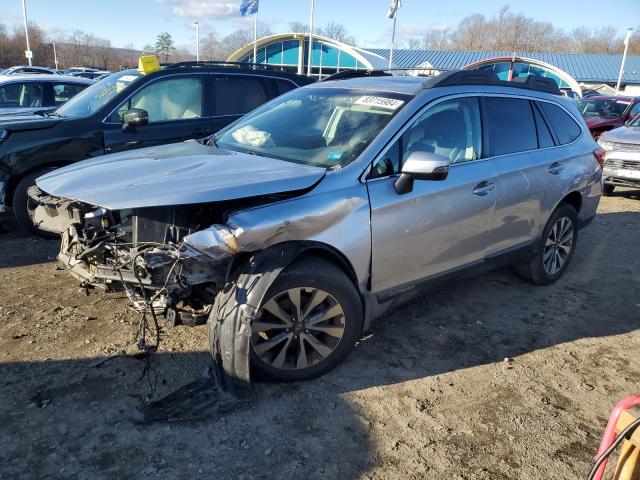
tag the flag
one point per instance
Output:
(248, 7)
(393, 8)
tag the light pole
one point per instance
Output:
(27, 53)
(197, 40)
(311, 39)
(55, 55)
(624, 58)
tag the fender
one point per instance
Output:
(233, 312)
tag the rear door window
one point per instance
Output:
(511, 125)
(565, 127)
(237, 95)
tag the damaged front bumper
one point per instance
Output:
(182, 271)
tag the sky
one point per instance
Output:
(138, 22)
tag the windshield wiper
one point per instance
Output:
(211, 140)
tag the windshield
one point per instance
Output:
(325, 127)
(90, 100)
(608, 109)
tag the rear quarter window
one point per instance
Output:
(237, 95)
(565, 127)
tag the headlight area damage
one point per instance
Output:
(146, 251)
(173, 261)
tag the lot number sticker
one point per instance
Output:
(380, 102)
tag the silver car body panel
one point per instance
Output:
(177, 174)
(623, 160)
(391, 241)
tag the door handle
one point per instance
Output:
(132, 143)
(555, 168)
(483, 188)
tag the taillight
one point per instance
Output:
(600, 154)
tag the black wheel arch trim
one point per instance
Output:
(237, 304)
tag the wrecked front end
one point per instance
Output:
(145, 251)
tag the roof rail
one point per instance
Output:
(485, 77)
(459, 77)
(346, 74)
(223, 64)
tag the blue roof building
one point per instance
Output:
(585, 68)
(292, 51)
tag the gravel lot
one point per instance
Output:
(484, 378)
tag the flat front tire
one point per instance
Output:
(556, 248)
(308, 322)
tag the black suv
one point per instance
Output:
(130, 110)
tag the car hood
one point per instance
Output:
(595, 122)
(29, 110)
(176, 174)
(623, 135)
(26, 121)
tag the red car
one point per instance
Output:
(604, 113)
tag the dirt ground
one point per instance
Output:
(483, 378)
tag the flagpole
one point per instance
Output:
(624, 57)
(255, 38)
(310, 39)
(393, 40)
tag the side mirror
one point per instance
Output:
(134, 117)
(421, 166)
(630, 119)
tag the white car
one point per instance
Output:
(622, 162)
(39, 92)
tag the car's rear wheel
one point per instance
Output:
(23, 207)
(607, 189)
(556, 248)
(307, 324)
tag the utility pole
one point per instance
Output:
(28, 52)
(197, 40)
(627, 38)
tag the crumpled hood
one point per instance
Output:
(177, 174)
(26, 121)
(622, 135)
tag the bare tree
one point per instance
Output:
(414, 44)
(437, 40)
(298, 27)
(597, 40)
(210, 47)
(337, 31)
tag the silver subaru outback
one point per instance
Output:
(294, 227)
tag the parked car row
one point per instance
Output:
(303, 220)
(38, 93)
(86, 72)
(604, 113)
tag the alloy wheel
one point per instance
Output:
(298, 328)
(558, 245)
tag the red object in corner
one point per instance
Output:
(610, 432)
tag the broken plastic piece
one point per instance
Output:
(217, 242)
